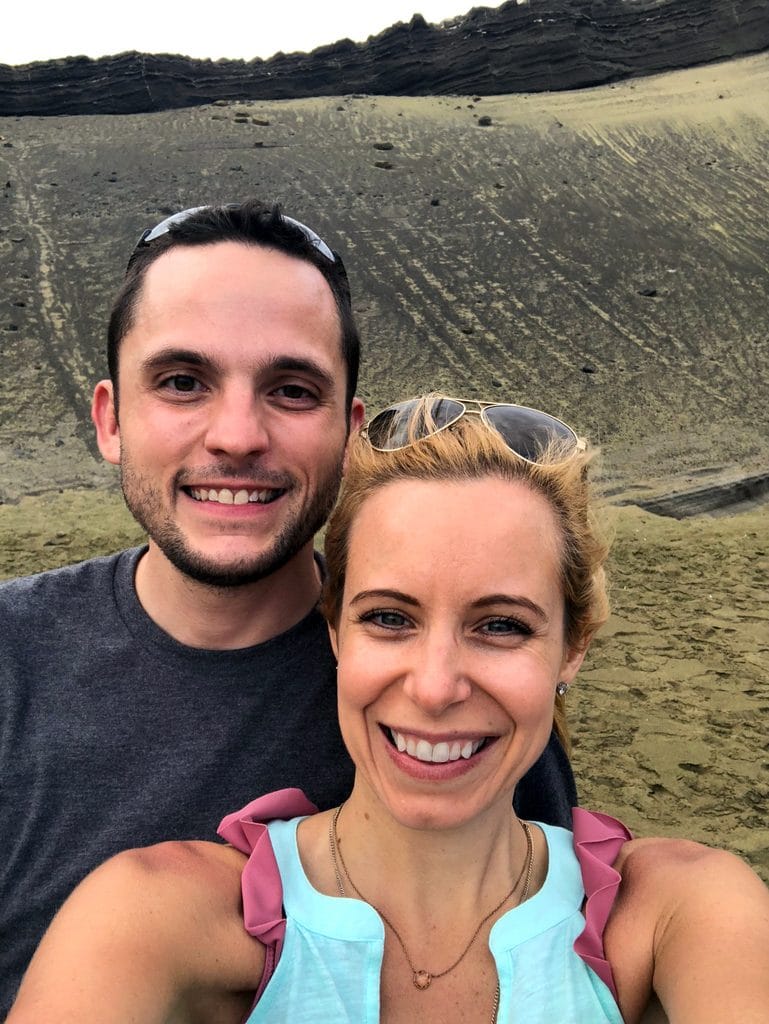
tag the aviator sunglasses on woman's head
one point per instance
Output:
(527, 432)
(177, 218)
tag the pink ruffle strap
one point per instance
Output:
(598, 838)
(261, 886)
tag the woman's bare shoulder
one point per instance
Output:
(149, 929)
(671, 886)
(691, 922)
(186, 862)
(670, 862)
(176, 878)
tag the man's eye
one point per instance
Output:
(294, 392)
(181, 382)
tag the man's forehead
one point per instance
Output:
(232, 281)
(226, 300)
(220, 260)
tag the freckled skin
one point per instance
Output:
(471, 656)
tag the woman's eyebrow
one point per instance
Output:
(520, 602)
(392, 595)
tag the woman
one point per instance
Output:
(465, 583)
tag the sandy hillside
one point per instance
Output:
(506, 260)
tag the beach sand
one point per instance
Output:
(669, 712)
(502, 261)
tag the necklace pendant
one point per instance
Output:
(422, 979)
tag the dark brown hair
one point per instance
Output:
(252, 223)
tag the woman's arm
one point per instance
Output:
(693, 923)
(153, 936)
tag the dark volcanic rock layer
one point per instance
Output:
(542, 45)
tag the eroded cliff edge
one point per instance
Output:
(541, 45)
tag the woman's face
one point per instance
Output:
(450, 644)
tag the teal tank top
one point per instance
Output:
(329, 969)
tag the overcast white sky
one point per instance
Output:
(44, 29)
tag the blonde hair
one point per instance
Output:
(470, 450)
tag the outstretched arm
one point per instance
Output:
(694, 923)
(153, 936)
(712, 951)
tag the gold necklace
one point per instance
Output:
(421, 978)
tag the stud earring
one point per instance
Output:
(562, 689)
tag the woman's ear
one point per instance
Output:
(572, 661)
(332, 635)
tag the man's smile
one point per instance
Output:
(228, 496)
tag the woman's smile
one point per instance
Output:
(450, 641)
(438, 752)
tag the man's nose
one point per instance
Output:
(237, 424)
(437, 678)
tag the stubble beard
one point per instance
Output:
(145, 503)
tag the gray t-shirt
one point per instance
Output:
(114, 735)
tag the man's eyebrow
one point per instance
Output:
(385, 593)
(293, 364)
(169, 356)
(520, 602)
(274, 364)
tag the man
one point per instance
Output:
(147, 694)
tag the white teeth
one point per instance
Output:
(424, 751)
(259, 496)
(226, 496)
(438, 753)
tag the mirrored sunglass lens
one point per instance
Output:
(402, 424)
(164, 225)
(313, 237)
(528, 431)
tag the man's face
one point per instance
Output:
(232, 421)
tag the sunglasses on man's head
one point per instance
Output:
(163, 227)
(527, 432)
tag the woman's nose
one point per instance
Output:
(437, 679)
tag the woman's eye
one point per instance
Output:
(505, 626)
(386, 618)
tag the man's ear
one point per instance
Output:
(104, 418)
(357, 415)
